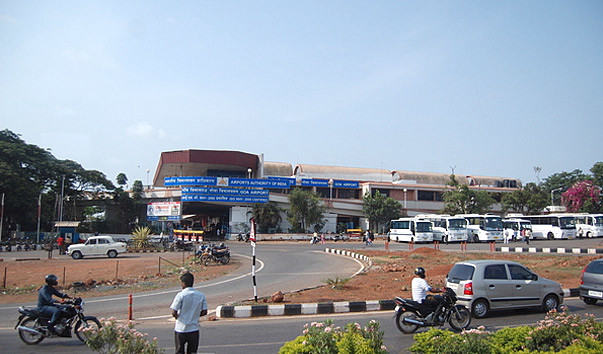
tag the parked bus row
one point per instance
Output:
(492, 228)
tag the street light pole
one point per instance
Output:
(330, 189)
(249, 170)
(405, 190)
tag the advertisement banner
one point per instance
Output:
(164, 209)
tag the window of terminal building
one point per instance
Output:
(348, 194)
(431, 196)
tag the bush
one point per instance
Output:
(113, 338)
(326, 338)
(559, 332)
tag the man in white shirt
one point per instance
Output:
(420, 288)
(187, 307)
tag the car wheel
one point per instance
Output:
(589, 300)
(112, 253)
(480, 308)
(589, 234)
(550, 302)
(77, 255)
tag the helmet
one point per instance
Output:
(420, 271)
(52, 279)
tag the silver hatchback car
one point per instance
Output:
(485, 285)
(591, 282)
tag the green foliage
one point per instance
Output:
(337, 283)
(326, 338)
(137, 190)
(530, 199)
(267, 215)
(558, 332)
(121, 179)
(460, 199)
(141, 237)
(380, 209)
(113, 338)
(305, 210)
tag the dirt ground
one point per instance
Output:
(128, 273)
(393, 271)
(390, 275)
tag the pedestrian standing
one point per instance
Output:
(188, 305)
(61, 244)
(322, 238)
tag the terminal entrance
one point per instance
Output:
(212, 219)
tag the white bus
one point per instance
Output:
(483, 227)
(447, 228)
(552, 226)
(410, 230)
(513, 227)
(589, 225)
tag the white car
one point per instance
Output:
(97, 245)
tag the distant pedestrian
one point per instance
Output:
(322, 238)
(188, 305)
(61, 244)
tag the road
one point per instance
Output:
(267, 335)
(281, 266)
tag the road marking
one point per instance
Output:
(168, 291)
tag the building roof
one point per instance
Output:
(344, 173)
(429, 178)
(278, 169)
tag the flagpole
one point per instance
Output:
(1, 216)
(39, 215)
(252, 239)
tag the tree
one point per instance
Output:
(530, 199)
(137, 190)
(459, 199)
(583, 196)
(380, 209)
(305, 211)
(121, 179)
(267, 215)
(563, 181)
(597, 171)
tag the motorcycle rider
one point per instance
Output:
(46, 304)
(420, 288)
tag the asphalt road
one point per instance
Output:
(281, 266)
(267, 335)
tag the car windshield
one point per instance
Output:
(493, 224)
(460, 272)
(599, 221)
(526, 225)
(567, 223)
(424, 227)
(458, 223)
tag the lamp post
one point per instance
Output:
(148, 178)
(249, 170)
(405, 190)
(330, 189)
(553, 191)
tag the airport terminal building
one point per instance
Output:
(215, 191)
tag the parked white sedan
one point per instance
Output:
(97, 245)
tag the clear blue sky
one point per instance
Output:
(491, 87)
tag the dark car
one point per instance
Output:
(591, 282)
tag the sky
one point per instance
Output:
(489, 88)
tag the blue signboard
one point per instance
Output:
(229, 182)
(346, 184)
(259, 183)
(190, 181)
(223, 198)
(309, 182)
(225, 191)
(163, 218)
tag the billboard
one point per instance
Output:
(163, 211)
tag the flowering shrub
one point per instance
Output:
(113, 338)
(326, 338)
(558, 332)
(582, 196)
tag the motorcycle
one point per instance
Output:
(245, 238)
(314, 240)
(410, 315)
(220, 254)
(33, 325)
(180, 245)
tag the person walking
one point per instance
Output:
(61, 244)
(188, 305)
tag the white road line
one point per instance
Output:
(169, 291)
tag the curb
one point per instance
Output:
(321, 307)
(224, 311)
(550, 250)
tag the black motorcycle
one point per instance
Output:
(410, 315)
(180, 245)
(245, 238)
(218, 254)
(33, 325)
